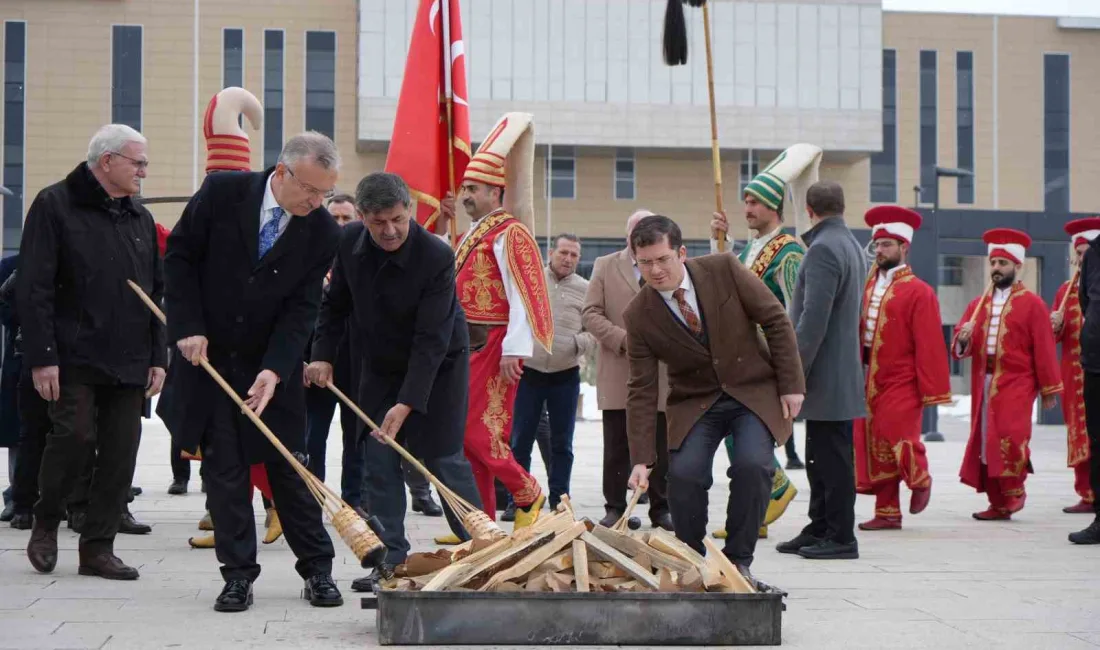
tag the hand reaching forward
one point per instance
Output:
(639, 477)
(261, 392)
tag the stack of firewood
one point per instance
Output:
(560, 553)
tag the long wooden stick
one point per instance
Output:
(716, 158)
(620, 525)
(981, 304)
(229, 391)
(1065, 296)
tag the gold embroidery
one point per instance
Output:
(478, 292)
(525, 265)
(888, 511)
(771, 249)
(495, 417)
(934, 400)
(486, 224)
(530, 491)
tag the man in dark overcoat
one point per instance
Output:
(393, 281)
(244, 268)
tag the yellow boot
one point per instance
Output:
(204, 541)
(777, 506)
(450, 539)
(529, 515)
(719, 534)
(274, 529)
(762, 533)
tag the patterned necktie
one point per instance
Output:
(270, 232)
(641, 282)
(690, 317)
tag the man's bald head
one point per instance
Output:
(634, 219)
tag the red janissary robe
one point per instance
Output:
(1024, 366)
(1073, 397)
(907, 371)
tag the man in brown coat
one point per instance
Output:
(615, 281)
(701, 318)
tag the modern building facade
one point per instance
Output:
(889, 96)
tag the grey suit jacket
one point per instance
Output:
(826, 311)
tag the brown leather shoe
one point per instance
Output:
(105, 564)
(42, 548)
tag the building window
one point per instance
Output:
(928, 126)
(951, 271)
(321, 82)
(884, 164)
(964, 92)
(561, 165)
(126, 75)
(233, 58)
(273, 96)
(15, 70)
(750, 167)
(1056, 132)
(624, 174)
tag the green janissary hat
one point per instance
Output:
(787, 178)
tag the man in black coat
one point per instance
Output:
(1089, 294)
(94, 350)
(244, 267)
(394, 282)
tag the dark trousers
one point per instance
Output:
(558, 392)
(1092, 423)
(419, 487)
(831, 471)
(789, 448)
(617, 467)
(181, 467)
(229, 497)
(750, 475)
(321, 405)
(384, 493)
(108, 417)
(34, 425)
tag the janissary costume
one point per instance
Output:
(1013, 360)
(906, 367)
(502, 289)
(1081, 232)
(774, 257)
(228, 149)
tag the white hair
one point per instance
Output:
(315, 146)
(109, 139)
(633, 219)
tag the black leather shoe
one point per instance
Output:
(427, 507)
(22, 521)
(235, 597)
(1090, 535)
(135, 491)
(380, 574)
(178, 486)
(8, 513)
(130, 526)
(509, 512)
(795, 462)
(793, 546)
(827, 549)
(663, 520)
(42, 548)
(105, 564)
(321, 591)
(610, 518)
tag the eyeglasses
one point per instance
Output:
(663, 261)
(326, 194)
(140, 164)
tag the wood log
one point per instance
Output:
(505, 560)
(626, 564)
(561, 562)
(636, 548)
(667, 582)
(537, 557)
(727, 568)
(712, 577)
(580, 566)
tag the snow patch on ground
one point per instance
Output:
(960, 408)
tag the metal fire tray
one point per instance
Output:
(548, 618)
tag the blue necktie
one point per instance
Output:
(270, 232)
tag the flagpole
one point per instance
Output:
(449, 97)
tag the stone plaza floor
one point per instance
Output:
(946, 581)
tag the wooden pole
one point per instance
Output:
(716, 159)
(452, 226)
(1065, 296)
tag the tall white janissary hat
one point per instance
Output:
(785, 182)
(506, 158)
(227, 146)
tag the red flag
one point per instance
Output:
(419, 146)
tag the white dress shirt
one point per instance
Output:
(756, 246)
(1000, 298)
(267, 210)
(519, 341)
(689, 298)
(881, 284)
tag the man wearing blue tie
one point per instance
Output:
(246, 263)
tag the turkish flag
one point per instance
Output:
(419, 146)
